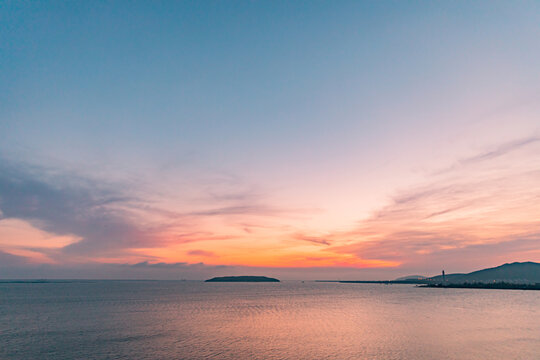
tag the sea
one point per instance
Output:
(286, 320)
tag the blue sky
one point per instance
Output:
(258, 125)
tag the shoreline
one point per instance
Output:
(494, 286)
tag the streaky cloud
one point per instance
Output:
(107, 218)
(466, 214)
(66, 204)
(7, 259)
(204, 253)
(239, 210)
(312, 239)
(496, 152)
(501, 150)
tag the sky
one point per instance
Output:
(305, 140)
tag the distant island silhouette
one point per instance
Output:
(514, 276)
(515, 273)
(242, 279)
(517, 276)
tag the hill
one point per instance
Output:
(523, 273)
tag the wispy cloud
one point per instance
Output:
(491, 154)
(107, 219)
(96, 212)
(201, 253)
(239, 210)
(467, 214)
(312, 239)
(483, 207)
(11, 260)
(501, 150)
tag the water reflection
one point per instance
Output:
(291, 320)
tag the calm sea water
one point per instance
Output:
(288, 320)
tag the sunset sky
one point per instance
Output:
(305, 140)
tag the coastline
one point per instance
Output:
(494, 286)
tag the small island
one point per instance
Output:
(242, 279)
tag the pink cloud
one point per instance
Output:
(201, 253)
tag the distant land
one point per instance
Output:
(242, 279)
(485, 285)
(413, 281)
(411, 277)
(518, 275)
